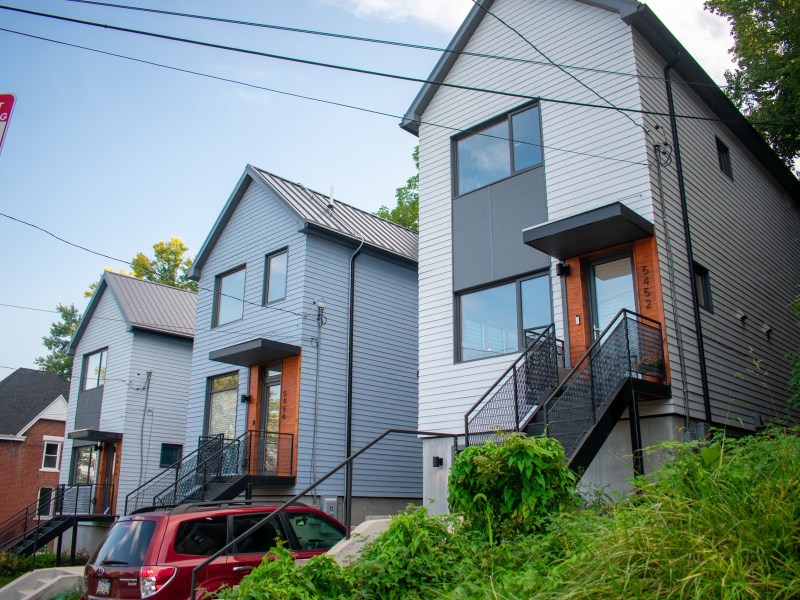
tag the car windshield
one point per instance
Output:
(125, 544)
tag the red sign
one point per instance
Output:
(6, 104)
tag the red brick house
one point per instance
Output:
(33, 412)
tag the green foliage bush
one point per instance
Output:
(513, 487)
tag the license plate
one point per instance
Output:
(103, 587)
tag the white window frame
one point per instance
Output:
(59, 442)
(49, 514)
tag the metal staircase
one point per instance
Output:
(220, 469)
(47, 518)
(624, 364)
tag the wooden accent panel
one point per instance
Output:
(290, 414)
(103, 475)
(254, 408)
(648, 291)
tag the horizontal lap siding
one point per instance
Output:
(169, 359)
(107, 328)
(745, 232)
(260, 224)
(568, 32)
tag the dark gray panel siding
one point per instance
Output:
(487, 230)
(90, 404)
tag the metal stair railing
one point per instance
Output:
(66, 500)
(521, 388)
(273, 515)
(630, 346)
(143, 496)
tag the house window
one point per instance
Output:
(229, 297)
(84, 464)
(492, 320)
(498, 150)
(724, 157)
(702, 286)
(275, 277)
(223, 394)
(94, 370)
(52, 452)
(44, 502)
(170, 455)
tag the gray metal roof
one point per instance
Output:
(645, 21)
(343, 222)
(145, 306)
(24, 394)
(344, 219)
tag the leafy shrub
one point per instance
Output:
(513, 487)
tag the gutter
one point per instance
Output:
(701, 354)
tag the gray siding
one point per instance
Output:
(745, 232)
(575, 141)
(106, 329)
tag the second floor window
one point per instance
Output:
(52, 452)
(275, 277)
(94, 370)
(498, 150)
(229, 297)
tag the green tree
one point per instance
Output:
(406, 212)
(766, 83)
(61, 332)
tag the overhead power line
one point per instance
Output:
(370, 40)
(302, 96)
(353, 69)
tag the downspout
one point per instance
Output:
(701, 355)
(348, 440)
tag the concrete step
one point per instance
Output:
(43, 584)
(347, 551)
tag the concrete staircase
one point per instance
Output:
(43, 584)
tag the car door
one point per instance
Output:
(194, 541)
(249, 553)
(313, 533)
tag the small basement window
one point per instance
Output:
(724, 157)
(170, 454)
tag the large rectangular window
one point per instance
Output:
(275, 277)
(223, 394)
(229, 297)
(492, 321)
(94, 370)
(498, 150)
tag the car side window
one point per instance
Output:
(201, 537)
(315, 532)
(262, 541)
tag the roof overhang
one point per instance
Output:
(255, 352)
(93, 435)
(593, 230)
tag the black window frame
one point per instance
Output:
(477, 129)
(517, 281)
(217, 293)
(178, 448)
(265, 291)
(210, 391)
(702, 285)
(724, 158)
(102, 371)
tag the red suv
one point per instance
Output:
(153, 553)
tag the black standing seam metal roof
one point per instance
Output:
(343, 221)
(644, 20)
(26, 393)
(144, 305)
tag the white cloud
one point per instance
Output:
(444, 14)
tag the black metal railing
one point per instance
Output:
(78, 499)
(631, 346)
(527, 383)
(212, 466)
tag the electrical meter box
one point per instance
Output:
(330, 505)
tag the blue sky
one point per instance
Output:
(115, 155)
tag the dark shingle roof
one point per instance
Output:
(24, 394)
(145, 306)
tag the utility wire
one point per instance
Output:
(480, 5)
(304, 97)
(60, 239)
(357, 38)
(346, 68)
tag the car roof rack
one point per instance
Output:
(222, 504)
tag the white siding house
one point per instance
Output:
(577, 150)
